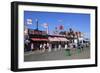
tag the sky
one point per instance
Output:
(76, 21)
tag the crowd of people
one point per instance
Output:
(29, 46)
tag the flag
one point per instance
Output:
(45, 25)
(29, 21)
(61, 27)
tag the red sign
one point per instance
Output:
(61, 27)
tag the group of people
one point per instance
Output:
(46, 47)
(29, 46)
(42, 47)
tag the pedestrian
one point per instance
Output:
(49, 49)
(48, 46)
(79, 47)
(32, 46)
(41, 46)
(59, 46)
(65, 46)
(27, 45)
(44, 47)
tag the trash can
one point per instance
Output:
(67, 52)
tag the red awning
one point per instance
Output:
(39, 39)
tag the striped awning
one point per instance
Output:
(53, 39)
(63, 39)
(39, 39)
(59, 39)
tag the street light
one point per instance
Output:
(36, 24)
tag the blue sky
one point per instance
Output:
(77, 21)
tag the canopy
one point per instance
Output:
(63, 39)
(59, 39)
(53, 39)
(39, 39)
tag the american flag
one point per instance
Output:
(45, 25)
(29, 21)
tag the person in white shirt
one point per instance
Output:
(32, 46)
(44, 47)
(65, 46)
(59, 46)
(41, 46)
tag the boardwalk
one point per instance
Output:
(56, 55)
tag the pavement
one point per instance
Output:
(56, 55)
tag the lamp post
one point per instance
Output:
(36, 24)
